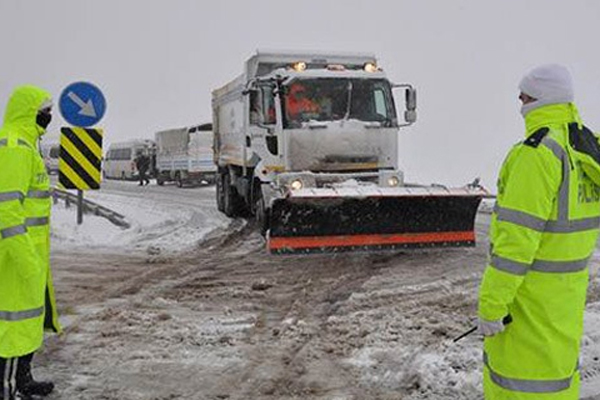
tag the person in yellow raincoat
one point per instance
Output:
(27, 304)
(543, 231)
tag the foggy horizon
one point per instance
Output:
(157, 62)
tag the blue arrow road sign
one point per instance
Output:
(82, 104)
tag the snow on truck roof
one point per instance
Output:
(322, 73)
(264, 62)
(327, 57)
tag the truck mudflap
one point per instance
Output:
(332, 220)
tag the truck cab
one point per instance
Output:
(307, 118)
(329, 121)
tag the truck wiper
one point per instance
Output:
(347, 115)
(316, 125)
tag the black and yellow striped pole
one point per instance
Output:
(80, 162)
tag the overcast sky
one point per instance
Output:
(157, 61)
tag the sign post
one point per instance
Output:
(82, 105)
(79, 207)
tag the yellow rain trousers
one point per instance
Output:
(544, 229)
(27, 304)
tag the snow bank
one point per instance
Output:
(156, 227)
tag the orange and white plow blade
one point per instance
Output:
(319, 221)
(285, 244)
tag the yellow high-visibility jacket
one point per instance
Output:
(543, 231)
(27, 302)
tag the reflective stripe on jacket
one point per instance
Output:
(543, 231)
(24, 228)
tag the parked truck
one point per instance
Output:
(307, 143)
(50, 153)
(185, 155)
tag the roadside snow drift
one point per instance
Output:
(156, 227)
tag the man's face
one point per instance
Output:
(525, 98)
(44, 117)
(298, 92)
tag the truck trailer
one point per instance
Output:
(307, 143)
(185, 155)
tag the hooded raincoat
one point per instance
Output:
(26, 294)
(544, 229)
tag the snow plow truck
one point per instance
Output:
(307, 144)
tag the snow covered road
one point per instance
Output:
(164, 219)
(187, 305)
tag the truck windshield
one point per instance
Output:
(333, 99)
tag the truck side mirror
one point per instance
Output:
(410, 103)
(411, 99)
(410, 115)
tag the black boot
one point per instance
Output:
(36, 388)
(26, 385)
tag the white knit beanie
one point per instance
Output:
(46, 104)
(548, 84)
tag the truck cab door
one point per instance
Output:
(262, 122)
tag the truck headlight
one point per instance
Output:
(393, 181)
(390, 179)
(299, 66)
(371, 67)
(296, 184)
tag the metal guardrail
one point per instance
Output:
(90, 207)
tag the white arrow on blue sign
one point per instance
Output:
(82, 104)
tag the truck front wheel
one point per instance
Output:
(261, 212)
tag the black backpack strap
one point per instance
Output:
(536, 137)
(584, 141)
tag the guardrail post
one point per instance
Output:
(79, 207)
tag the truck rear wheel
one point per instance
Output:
(219, 180)
(231, 206)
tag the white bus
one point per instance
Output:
(119, 162)
(50, 153)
